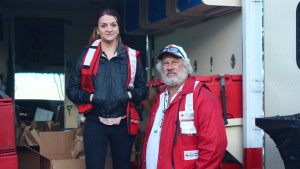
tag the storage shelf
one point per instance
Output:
(146, 16)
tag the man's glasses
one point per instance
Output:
(174, 50)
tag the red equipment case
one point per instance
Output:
(233, 92)
(9, 160)
(7, 129)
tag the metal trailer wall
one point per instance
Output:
(219, 38)
(282, 89)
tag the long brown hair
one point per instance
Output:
(94, 36)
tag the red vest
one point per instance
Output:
(90, 67)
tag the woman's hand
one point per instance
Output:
(135, 121)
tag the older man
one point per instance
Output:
(186, 128)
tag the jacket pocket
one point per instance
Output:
(186, 156)
(124, 68)
(98, 101)
(120, 66)
(123, 97)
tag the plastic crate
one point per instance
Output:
(233, 92)
(7, 128)
(9, 160)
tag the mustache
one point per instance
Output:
(171, 72)
(174, 80)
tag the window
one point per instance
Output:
(48, 86)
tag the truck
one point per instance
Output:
(257, 40)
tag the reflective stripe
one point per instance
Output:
(133, 64)
(189, 106)
(189, 102)
(132, 54)
(196, 83)
(187, 116)
(90, 53)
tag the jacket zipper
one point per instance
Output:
(110, 84)
(175, 135)
(176, 130)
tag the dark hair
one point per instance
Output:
(94, 36)
(110, 12)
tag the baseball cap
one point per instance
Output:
(174, 50)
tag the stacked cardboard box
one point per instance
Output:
(28, 135)
(43, 145)
(55, 151)
(60, 149)
(77, 150)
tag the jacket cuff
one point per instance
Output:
(86, 97)
(134, 96)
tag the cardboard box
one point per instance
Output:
(28, 159)
(29, 135)
(55, 151)
(45, 126)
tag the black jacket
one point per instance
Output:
(110, 97)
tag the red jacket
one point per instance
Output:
(211, 139)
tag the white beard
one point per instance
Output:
(173, 81)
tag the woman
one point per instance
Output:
(106, 81)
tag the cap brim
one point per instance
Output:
(162, 54)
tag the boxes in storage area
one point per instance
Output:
(58, 150)
(55, 151)
(155, 15)
(206, 8)
(7, 128)
(29, 134)
(163, 12)
(28, 159)
(184, 5)
(136, 21)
